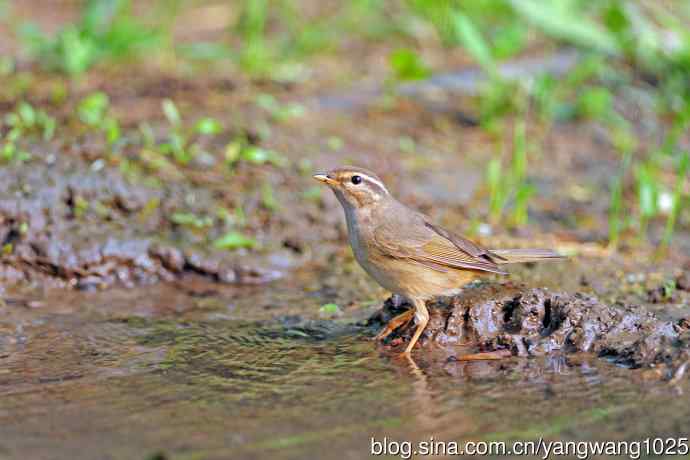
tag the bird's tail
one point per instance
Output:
(516, 256)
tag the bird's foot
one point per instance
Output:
(400, 320)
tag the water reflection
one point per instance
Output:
(188, 382)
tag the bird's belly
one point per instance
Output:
(412, 279)
(380, 274)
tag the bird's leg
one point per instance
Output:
(395, 323)
(422, 318)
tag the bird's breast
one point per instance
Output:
(361, 241)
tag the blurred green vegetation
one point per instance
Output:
(625, 47)
(106, 30)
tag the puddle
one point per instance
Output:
(154, 371)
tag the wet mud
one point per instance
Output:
(528, 322)
(64, 223)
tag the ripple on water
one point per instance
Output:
(292, 388)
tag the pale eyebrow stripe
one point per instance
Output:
(375, 181)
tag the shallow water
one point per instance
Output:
(198, 373)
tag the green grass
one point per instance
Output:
(616, 205)
(107, 30)
(509, 186)
(620, 41)
(683, 173)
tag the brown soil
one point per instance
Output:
(124, 237)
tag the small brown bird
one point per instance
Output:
(408, 254)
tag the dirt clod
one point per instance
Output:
(534, 322)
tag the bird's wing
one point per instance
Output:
(433, 246)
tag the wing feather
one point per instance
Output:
(433, 246)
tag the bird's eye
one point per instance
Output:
(356, 180)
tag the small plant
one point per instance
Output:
(208, 126)
(616, 208)
(176, 144)
(268, 197)
(94, 112)
(106, 30)
(329, 310)
(682, 174)
(647, 194)
(234, 240)
(240, 150)
(24, 121)
(513, 183)
(279, 112)
(191, 220)
(595, 103)
(407, 65)
(256, 54)
(180, 142)
(497, 189)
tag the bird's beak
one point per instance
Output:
(325, 178)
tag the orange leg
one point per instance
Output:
(422, 318)
(395, 323)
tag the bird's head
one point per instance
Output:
(354, 186)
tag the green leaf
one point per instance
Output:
(471, 39)
(208, 126)
(192, 220)
(329, 309)
(92, 108)
(255, 155)
(277, 110)
(27, 114)
(647, 191)
(559, 19)
(595, 103)
(112, 130)
(259, 156)
(268, 198)
(74, 52)
(171, 113)
(408, 65)
(509, 40)
(234, 240)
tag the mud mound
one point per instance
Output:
(533, 322)
(66, 223)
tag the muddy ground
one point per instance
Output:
(491, 318)
(54, 209)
